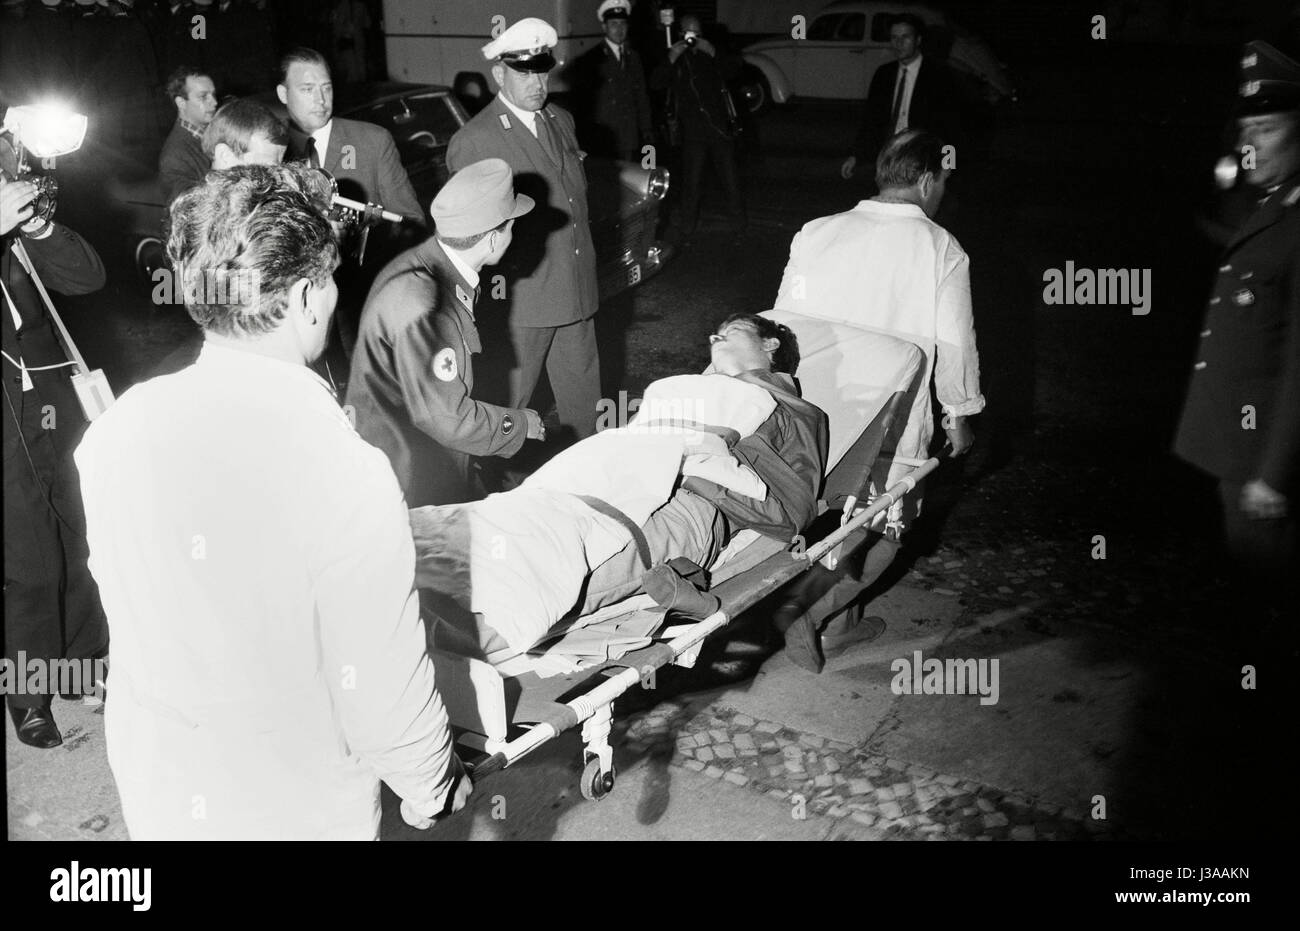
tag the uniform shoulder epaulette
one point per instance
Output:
(1292, 198)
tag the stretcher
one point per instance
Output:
(866, 383)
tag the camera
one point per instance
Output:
(45, 132)
(689, 39)
(47, 186)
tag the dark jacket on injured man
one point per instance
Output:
(514, 564)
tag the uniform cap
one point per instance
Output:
(1270, 81)
(478, 198)
(525, 46)
(614, 9)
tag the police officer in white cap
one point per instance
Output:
(550, 293)
(609, 78)
(412, 383)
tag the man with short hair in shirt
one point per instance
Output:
(255, 558)
(181, 163)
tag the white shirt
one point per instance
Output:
(890, 269)
(906, 73)
(616, 48)
(322, 137)
(255, 561)
(470, 276)
(527, 117)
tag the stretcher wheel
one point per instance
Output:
(595, 785)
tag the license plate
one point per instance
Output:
(634, 274)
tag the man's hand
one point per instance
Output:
(536, 428)
(1259, 501)
(15, 203)
(846, 169)
(851, 509)
(960, 436)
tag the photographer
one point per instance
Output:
(696, 75)
(52, 608)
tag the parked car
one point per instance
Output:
(623, 198)
(847, 41)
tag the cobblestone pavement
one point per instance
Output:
(883, 798)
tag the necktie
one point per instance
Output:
(313, 158)
(545, 135)
(898, 98)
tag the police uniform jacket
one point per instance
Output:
(412, 379)
(1241, 420)
(550, 269)
(616, 107)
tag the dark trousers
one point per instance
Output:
(1263, 553)
(52, 608)
(572, 365)
(697, 154)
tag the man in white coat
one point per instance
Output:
(255, 557)
(887, 267)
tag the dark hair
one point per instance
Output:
(461, 243)
(237, 122)
(910, 19)
(176, 80)
(303, 55)
(241, 238)
(907, 156)
(785, 357)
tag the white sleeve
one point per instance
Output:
(957, 368)
(794, 288)
(372, 638)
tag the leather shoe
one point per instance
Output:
(36, 727)
(857, 630)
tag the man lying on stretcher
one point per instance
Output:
(705, 457)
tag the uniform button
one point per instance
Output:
(1214, 300)
(1225, 268)
(1204, 333)
(575, 252)
(1198, 366)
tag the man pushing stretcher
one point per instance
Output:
(739, 449)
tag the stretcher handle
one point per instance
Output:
(492, 764)
(900, 488)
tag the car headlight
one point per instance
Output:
(657, 186)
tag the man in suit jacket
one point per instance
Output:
(614, 117)
(911, 93)
(551, 272)
(413, 371)
(52, 608)
(182, 164)
(1241, 421)
(362, 158)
